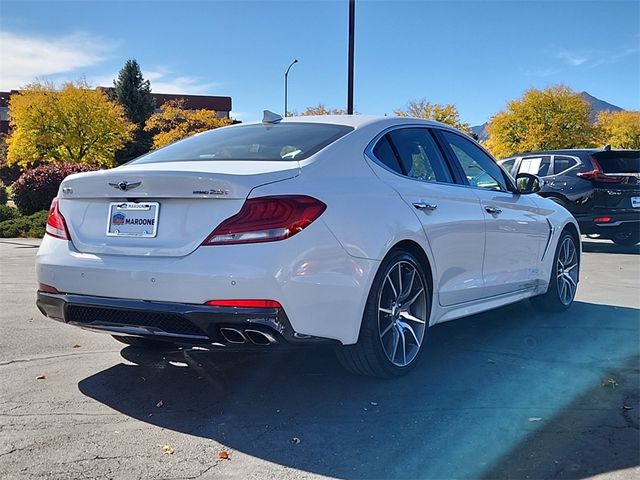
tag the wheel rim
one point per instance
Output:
(567, 271)
(402, 313)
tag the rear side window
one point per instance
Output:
(384, 152)
(280, 141)
(538, 165)
(419, 155)
(619, 161)
(562, 163)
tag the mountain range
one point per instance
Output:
(597, 106)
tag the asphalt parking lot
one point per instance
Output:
(508, 394)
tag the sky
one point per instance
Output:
(477, 55)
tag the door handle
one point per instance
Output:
(493, 210)
(425, 206)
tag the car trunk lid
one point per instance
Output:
(191, 199)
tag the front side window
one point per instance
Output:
(479, 168)
(280, 141)
(419, 155)
(538, 165)
(508, 165)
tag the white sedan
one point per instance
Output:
(352, 230)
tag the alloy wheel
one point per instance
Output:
(567, 271)
(402, 313)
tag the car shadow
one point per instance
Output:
(503, 394)
(590, 246)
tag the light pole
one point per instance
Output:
(352, 28)
(286, 76)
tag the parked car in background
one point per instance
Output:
(600, 187)
(353, 230)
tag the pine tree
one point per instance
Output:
(133, 92)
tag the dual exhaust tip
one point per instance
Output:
(247, 335)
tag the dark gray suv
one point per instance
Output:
(600, 187)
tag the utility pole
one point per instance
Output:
(286, 76)
(352, 26)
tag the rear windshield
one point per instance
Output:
(281, 141)
(619, 161)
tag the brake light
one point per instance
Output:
(267, 219)
(602, 219)
(56, 225)
(244, 303)
(597, 174)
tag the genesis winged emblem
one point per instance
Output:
(124, 186)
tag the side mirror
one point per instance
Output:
(528, 183)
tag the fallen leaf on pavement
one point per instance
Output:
(224, 455)
(160, 404)
(76, 346)
(41, 377)
(295, 440)
(535, 419)
(167, 450)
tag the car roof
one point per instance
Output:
(359, 121)
(568, 151)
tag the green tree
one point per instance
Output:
(72, 124)
(133, 92)
(174, 122)
(432, 111)
(619, 129)
(8, 173)
(549, 119)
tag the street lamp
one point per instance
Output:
(286, 76)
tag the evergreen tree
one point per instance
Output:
(133, 92)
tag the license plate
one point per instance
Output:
(133, 219)
(635, 202)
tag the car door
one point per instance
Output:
(410, 161)
(516, 230)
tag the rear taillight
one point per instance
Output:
(56, 226)
(597, 174)
(267, 219)
(602, 219)
(244, 303)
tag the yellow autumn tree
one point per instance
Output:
(174, 122)
(73, 123)
(447, 113)
(549, 119)
(619, 129)
(320, 109)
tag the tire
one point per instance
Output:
(564, 277)
(626, 239)
(143, 342)
(395, 320)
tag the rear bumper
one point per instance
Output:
(620, 222)
(320, 287)
(175, 322)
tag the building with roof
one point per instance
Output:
(221, 105)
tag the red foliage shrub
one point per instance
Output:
(36, 187)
